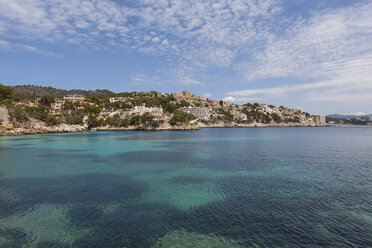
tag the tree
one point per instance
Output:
(114, 121)
(124, 122)
(183, 103)
(18, 114)
(276, 118)
(135, 120)
(6, 93)
(75, 118)
(181, 117)
(170, 108)
(94, 122)
(147, 119)
(92, 109)
(47, 100)
(68, 106)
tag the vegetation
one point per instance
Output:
(276, 118)
(180, 117)
(17, 114)
(47, 100)
(30, 92)
(6, 93)
(74, 118)
(97, 110)
(226, 115)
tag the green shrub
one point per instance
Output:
(114, 121)
(92, 109)
(52, 120)
(181, 117)
(124, 122)
(75, 118)
(135, 120)
(6, 93)
(93, 122)
(183, 103)
(276, 118)
(47, 100)
(18, 114)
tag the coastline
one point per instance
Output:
(77, 128)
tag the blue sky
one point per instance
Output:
(314, 55)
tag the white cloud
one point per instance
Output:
(207, 31)
(145, 79)
(315, 47)
(17, 47)
(165, 42)
(187, 81)
(331, 49)
(155, 39)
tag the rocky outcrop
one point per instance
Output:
(165, 127)
(253, 124)
(4, 115)
(32, 126)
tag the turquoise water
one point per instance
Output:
(253, 187)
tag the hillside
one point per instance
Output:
(22, 113)
(29, 92)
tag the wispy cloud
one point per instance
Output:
(315, 47)
(331, 48)
(146, 79)
(209, 32)
(352, 83)
(18, 47)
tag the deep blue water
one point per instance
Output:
(244, 187)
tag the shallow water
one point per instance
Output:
(253, 187)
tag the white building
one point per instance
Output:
(199, 112)
(322, 119)
(58, 104)
(74, 98)
(142, 110)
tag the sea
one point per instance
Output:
(218, 187)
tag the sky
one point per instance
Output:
(315, 55)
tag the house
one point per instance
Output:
(113, 100)
(143, 110)
(117, 99)
(74, 98)
(58, 104)
(237, 115)
(144, 93)
(200, 112)
(320, 119)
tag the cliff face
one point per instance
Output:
(4, 114)
(31, 126)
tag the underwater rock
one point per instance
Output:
(183, 239)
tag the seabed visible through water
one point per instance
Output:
(295, 187)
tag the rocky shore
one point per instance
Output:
(37, 127)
